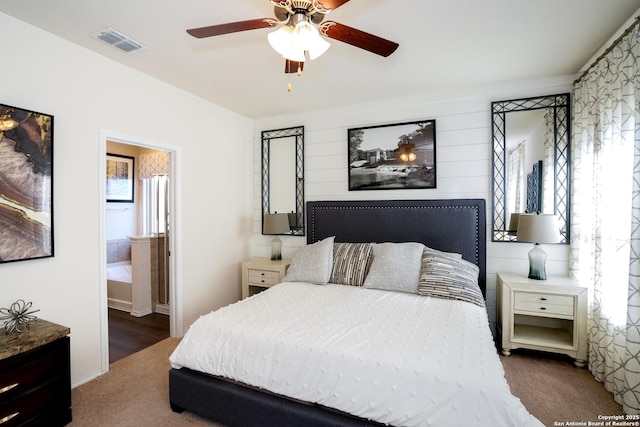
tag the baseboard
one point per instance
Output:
(163, 309)
(118, 304)
(137, 313)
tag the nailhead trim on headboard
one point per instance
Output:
(435, 228)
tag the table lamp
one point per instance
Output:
(538, 228)
(276, 224)
(513, 224)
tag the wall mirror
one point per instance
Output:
(283, 176)
(531, 161)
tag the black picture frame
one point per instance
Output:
(393, 156)
(120, 178)
(26, 184)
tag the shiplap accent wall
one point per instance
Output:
(463, 162)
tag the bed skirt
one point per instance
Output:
(236, 405)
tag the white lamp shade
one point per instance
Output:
(513, 223)
(276, 224)
(309, 39)
(538, 228)
(281, 40)
(292, 43)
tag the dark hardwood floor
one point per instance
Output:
(129, 334)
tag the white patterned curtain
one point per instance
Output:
(605, 214)
(154, 163)
(516, 192)
(154, 173)
(548, 169)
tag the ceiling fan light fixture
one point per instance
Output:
(308, 39)
(283, 41)
(280, 39)
(293, 42)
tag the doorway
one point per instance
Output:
(148, 220)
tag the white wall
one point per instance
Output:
(463, 159)
(87, 94)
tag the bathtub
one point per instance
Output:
(119, 286)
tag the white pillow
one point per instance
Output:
(395, 267)
(312, 263)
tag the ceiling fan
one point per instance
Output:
(302, 20)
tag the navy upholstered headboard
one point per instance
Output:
(453, 225)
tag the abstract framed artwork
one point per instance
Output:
(120, 178)
(26, 184)
(393, 157)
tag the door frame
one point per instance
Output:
(175, 243)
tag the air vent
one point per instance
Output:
(119, 40)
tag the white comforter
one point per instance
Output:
(395, 358)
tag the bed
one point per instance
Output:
(336, 344)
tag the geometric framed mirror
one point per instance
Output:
(531, 162)
(283, 177)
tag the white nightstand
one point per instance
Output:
(547, 315)
(259, 274)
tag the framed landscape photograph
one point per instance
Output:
(119, 178)
(393, 157)
(26, 184)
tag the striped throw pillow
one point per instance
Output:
(443, 276)
(351, 262)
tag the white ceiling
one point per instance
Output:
(445, 46)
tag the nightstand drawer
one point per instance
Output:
(263, 277)
(259, 274)
(544, 303)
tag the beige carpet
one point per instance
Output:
(135, 392)
(554, 390)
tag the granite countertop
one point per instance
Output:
(40, 332)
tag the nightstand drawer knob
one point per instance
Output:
(543, 299)
(543, 308)
(9, 417)
(9, 387)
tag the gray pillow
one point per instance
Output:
(446, 277)
(312, 263)
(395, 267)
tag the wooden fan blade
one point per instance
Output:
(332, 4)
(231, 27)
(359, 38)
(291, 67)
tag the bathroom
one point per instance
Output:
(136, 232)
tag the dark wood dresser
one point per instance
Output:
(35, 377)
